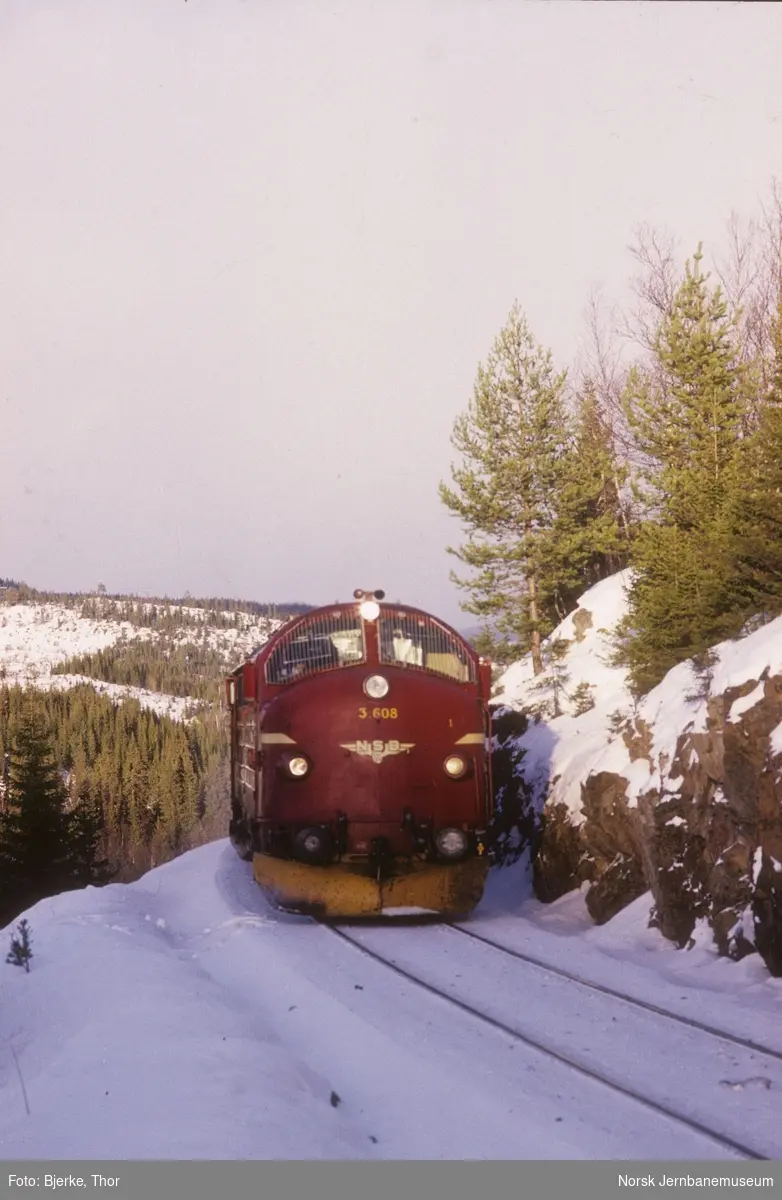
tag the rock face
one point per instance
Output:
(514, 825)
(704, 834)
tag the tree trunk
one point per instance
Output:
(532, 592)
(622, 513)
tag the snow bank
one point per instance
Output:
(123, 1047)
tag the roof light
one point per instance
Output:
(370, 610)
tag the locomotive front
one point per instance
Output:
(361, 782)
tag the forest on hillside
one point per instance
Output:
(148, 787)
(660, 451)
(119, 788)
(183, 669)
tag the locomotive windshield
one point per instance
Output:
(336, 639)
(318, 644)
(414, 640)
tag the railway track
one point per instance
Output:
(569, 1060)
(690, 1022)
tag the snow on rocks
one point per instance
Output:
(559, 751)
(673, 794)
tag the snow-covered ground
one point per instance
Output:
(179, 1016)
(34, 638)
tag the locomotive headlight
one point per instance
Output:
(452, 843)
(455, 766)
(376, 687)
(369, 610)
(298, 766)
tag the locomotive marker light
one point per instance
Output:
(298, 766)
(452, 843)
(376, 687)
(455, 766)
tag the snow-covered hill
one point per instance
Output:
(180, 1017)
(34, 638)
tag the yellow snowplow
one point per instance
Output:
(347, 889)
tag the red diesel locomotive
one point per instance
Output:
(360, 763)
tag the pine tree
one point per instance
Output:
(589, 536)
(511, 441)
(687, 417)
(758, 526)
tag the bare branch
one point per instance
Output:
(654, 287)
(739, 270)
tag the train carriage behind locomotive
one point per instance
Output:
(360, 766)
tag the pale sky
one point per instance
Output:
(253, 251)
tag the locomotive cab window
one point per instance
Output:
(409, 640)
(325, 642)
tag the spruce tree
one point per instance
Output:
(87, 833)
(511, 441)
(686, 415)
(44, 847)
(21, 951)
(35, 850)
(588, 540)
(758, 525)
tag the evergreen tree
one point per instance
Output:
(87, 833)
(686, 415)
(589, 539)
(36, 857)
(21, 951)
(45, 848)
(758, 525)
(511, 441)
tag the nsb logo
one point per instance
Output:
(377, 751)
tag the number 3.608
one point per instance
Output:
(383, 714)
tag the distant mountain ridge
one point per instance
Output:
(24, 592)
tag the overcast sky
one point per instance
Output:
(252, 252)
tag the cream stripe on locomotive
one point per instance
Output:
(471, 739)
(276, 739)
